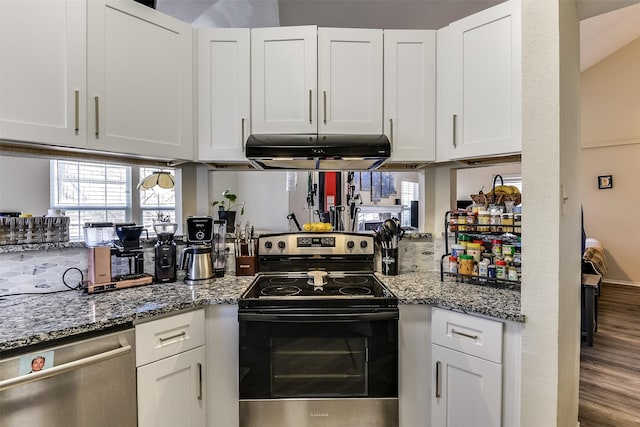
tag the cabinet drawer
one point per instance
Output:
(472, 335)
(166, 337)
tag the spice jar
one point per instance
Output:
(517, 223)
(501, 269)
(453, 264)
(475, 250)
(512, 274)
(496, 247)
(484, 221)
(471, 221)
(507, 222)
(453, 221)
(466, 264)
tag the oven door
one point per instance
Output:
(318, 354)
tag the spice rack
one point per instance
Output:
(492, 233)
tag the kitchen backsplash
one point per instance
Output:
(39, 268)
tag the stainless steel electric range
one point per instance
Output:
(318, 342)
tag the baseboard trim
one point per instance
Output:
(621, 282)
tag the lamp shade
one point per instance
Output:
(162, 179)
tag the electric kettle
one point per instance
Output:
(198, 263)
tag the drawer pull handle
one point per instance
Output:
(454, 332)
(182, 334)
(199, 381)
(455, 130)
(438, 391)
(324, 96)
(391, 132)
(310, 107)
(77, 111)
(242, 133)
(97, 105)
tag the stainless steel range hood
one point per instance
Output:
(318, 152)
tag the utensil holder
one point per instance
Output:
(246, 265)
(390, 261)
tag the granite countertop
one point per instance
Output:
(33, 319)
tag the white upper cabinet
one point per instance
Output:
(284, 80)
(308, 80)
(410, 94)
(349, 81)
(483, 115)
(43, 71)
(140, 81)
(223, 93)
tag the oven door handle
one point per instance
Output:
(318, 317)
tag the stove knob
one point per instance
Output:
(350, 244)
(363, 244)
(268, 244)
(281, 244)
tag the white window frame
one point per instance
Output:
(131, 208)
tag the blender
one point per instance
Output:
(165, 266)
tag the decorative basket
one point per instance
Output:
(19, 231)
(496, 197)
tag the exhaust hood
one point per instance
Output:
(318, 152)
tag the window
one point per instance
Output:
(99, 192)
(409, 192)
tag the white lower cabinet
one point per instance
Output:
(466, 360)
(171, 391)
(468, 390)
(171, 362)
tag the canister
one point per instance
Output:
(466, 264)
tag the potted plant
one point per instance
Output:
(225, 207)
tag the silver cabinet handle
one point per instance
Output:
(77, 111)
(199, 381)
(455, 130)
(438, 391)
(61, 369)
(180, 335)
(242, 133)
(324, 97)
(391, 132)
(310, 106)
(97, 103)
(462, 334)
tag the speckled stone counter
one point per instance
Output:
(33, 319)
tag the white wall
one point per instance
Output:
(24, 185)
(551, 249)
(611, 146)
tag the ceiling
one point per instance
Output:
(605, 27)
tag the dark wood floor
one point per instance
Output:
(610, 370)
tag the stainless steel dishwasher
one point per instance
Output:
(91, 382)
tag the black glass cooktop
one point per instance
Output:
(319, 286)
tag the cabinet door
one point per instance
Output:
(349, 81)
(467, 390)
(486, 69)
(43, 71)
(140, 81)
(284, 80)
(223, 93)
(410, 94)
(171, 391)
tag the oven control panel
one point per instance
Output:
(316, 244)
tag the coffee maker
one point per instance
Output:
(118, 266)
(165, 266)
(196, 258)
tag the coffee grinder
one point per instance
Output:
(165, 265)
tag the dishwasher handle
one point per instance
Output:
(61, 369)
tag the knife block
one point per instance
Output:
(246, 265)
